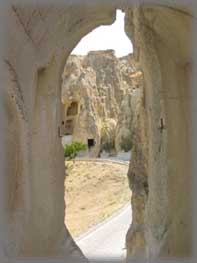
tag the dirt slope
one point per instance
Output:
(93, 191)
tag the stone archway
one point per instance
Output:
(38, 41)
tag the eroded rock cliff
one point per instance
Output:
(99, 93)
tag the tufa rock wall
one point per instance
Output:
(34, 57)
(37, 42)
(160, 171)
(104, 90)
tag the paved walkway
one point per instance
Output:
(106, 241)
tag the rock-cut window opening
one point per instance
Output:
(72, 109)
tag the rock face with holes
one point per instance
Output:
(37, 42)
(99, 93)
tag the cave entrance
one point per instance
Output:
(92, 81)
(91, 143)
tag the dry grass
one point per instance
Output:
(93, 192)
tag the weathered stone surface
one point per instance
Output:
(162, 47)
(105, 90)
(129, 112)
(37, 43)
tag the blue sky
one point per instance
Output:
(106, 37)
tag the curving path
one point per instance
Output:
(106, 241)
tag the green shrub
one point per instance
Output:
(126, 144)
(107, 146)
(71, 150)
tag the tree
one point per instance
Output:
(71, 150)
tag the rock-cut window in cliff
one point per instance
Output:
(72, 109)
